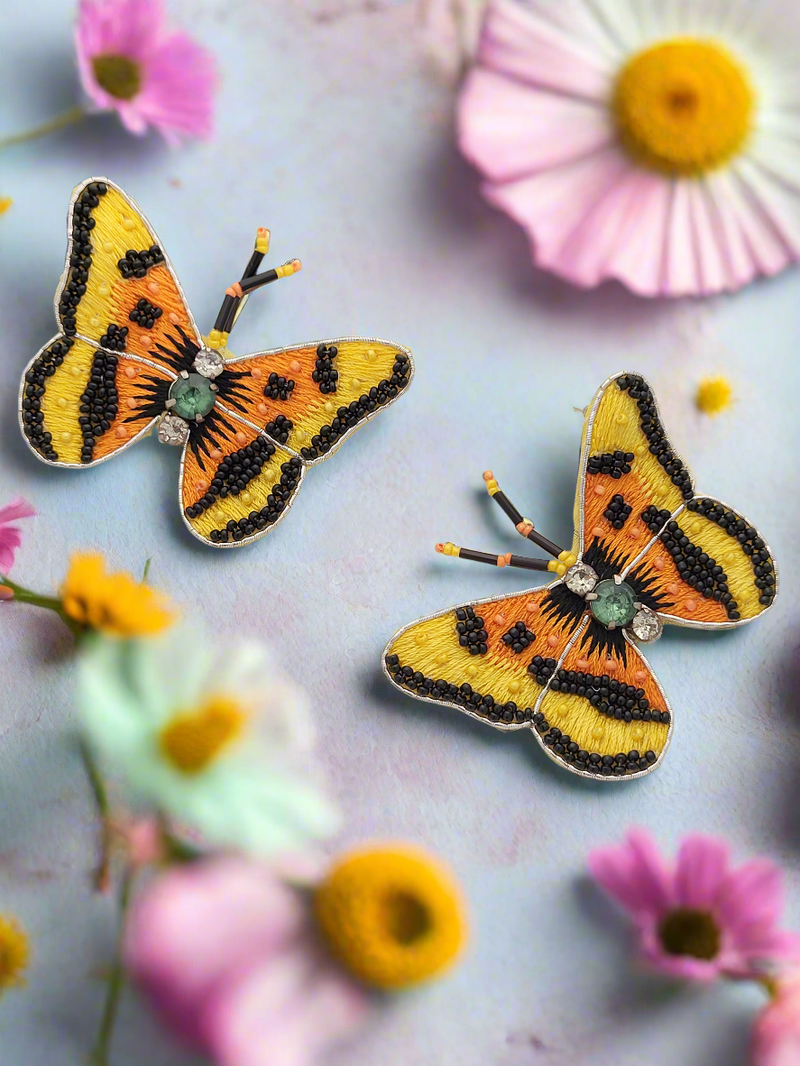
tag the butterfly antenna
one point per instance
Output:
(524, 526)
(232, 306)
(523, 562)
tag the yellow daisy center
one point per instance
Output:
(714, 395)
(686, 931)
(683, 107)
(118, 75)
(192, 740)
(14, 953)
(393, 918)
(111, 603)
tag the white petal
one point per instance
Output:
(722, 206)
(638, 260)
(777, 202)
(712, 269)
(740, 210)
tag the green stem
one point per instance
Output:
(147, 563)
(116, 981)
(102, 875)
(66, 118)
(49, 603)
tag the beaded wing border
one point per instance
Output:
(129, 359)
(564, 660)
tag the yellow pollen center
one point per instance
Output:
(14, 953)
(406, 917)
(192, 740)
(118, 75)
(683, 107)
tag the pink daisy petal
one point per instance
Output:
(741, 263)
(752, 894)
(701, 870)
(10, 540)
(634, 875)
(638, 261)
(179, 94)
(777, 204)
(18, 508)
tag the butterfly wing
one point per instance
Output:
(86, 395)
(694, 560)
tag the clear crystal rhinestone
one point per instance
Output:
(209, 363)
(580, 578)
(173, 430)
(646, 625)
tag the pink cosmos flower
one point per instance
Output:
(227, 954)
(655, 143)
(698, 918)
(776, 1034)
(11, 535)
(130, 63)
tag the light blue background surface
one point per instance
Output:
(332, 133)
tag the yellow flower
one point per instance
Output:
(392, 916)
(714, 395)
(112, 603)
(5, 203)
(14, 953)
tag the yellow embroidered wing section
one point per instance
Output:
(118, 287)
(236, 483)
(312, 397)
(490, 660)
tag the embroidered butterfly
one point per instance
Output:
(563, 660)
(129, 358)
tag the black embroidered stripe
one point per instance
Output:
(145, 314)
(618, 511)
(80, 259)
(277, 501)
(350, 416)
(615, 464)
(471, 632)
(654, 432)
(324, 373)
(136, 264)
(151, 398)
(464, 695)
(43, 366)
(99, 402)
(233, 474)
(519, 637)
(751, 543)
(562, 745)
(612, 698)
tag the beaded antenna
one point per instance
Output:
(129, 358)
(563, 661)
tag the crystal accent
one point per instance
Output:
(173, 430)
(209, 363)
(646, 625)
(615, 604)
(580, 578)
(194, 397)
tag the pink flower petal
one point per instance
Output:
(681, 275)
(750, 895)
(723, 201)
(178, 98)
(701, 871)
(635, 875)
(10, 540)
(18, 508)
(509, 129)
(638, 261)
(776, 202)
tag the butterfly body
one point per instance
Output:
(129, 359)
(564, 660)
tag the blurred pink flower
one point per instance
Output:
(11, 535)
(776, 1034)
(658, 144)
(227, 953)
(700, 918)
(130, 63)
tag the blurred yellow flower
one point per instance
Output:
(5, 203)
(714, 395)
(14, 953)
(115, 604)
(392, 916)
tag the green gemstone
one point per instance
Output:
(614, 603)
(194, 397)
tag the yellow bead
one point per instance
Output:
(66, 436)
(61, 402)
(128, 223)
(472, 670)
(598, 732)
(421, 638)
(103, 288)
(514, 686)
(370, 355)
(329, 407)
(620, 418)
(107, 246)
(246, 497)
(442, 657)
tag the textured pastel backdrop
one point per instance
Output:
(334, 135)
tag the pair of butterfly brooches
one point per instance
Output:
(129, 359)
(563, 661)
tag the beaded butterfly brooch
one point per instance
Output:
(563, 660)
(129, 358)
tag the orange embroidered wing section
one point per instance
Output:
(80, 404)
(236, 483)
(118, 287)
(490, 659)
(604, 713)
(314, 396)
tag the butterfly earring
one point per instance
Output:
(563, 661)
(129, 358)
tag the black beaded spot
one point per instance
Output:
(43, 366)
(611, 698)
(519, 637)
(470, 630)
(136, 264)
(618, 511)
(696, 568)
(115, 338)
(233, 474)
(277, 501)
(751, 543)
(324, 374)
(616, 464)
(654, 432)
(145, 314)
(80, 257)
(99, 402)
(350, 416)
(279, 429)
(277, 387)
(464, 695)
(541, 670)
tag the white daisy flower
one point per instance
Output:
(213, 737)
